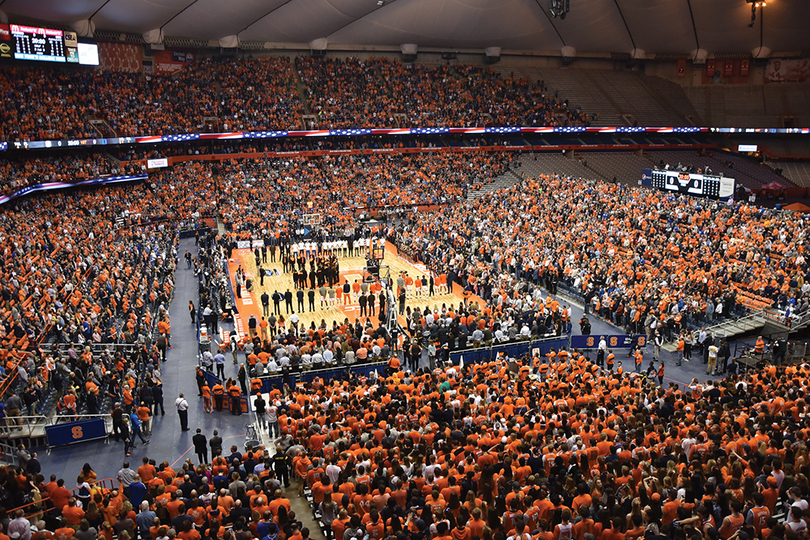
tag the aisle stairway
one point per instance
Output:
(501, 182)
(766, 321)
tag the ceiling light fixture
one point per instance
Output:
(559, 8)
(754, 5)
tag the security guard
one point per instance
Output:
(281, 466)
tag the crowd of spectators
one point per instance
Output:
(262, 94)
(23, 170)
(42, 103)
(639, 258)
(80, 269)
(561, 449)
(333, 86)
(627, 262)
(414, 95)
(258, 94)
(341, 186)
(578, 450)
(468, 453)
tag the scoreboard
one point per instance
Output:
(45, 45)
(698, 185)
(32, 43)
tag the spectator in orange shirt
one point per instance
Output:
(72, 513)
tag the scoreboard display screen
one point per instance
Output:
(32, 43)
(699, 185)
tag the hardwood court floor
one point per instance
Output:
(351, 268)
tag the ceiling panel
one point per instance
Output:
(676, 36)
(595, 25)
(137, 16)
(723, 25)
(657, 26)
(55, 11)
(213, 19)
(301, 21)
(514, 24)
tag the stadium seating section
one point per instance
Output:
(561, 449)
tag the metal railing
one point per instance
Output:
(796, 322)
(7, 450)
(756, 317)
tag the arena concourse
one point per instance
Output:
(287, 287)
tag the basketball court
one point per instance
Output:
(351, 269)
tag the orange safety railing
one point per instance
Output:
(13, 371)
(39, 507)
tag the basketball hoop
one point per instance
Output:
(313, 220)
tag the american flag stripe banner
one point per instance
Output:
(222, 136)
(467, 131)
(430, 131)
(402, 131)
(168, 138)
(349, 132)
(265, 134)
(538, 130)
(502, 130)
(309, 133)
(181, 138)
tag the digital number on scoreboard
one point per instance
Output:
(32, 43)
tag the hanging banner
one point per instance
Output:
(681, 68)
(168, 61)
(120, 57)
(725, 72)
(792, 70)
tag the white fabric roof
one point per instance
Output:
(656, 26)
